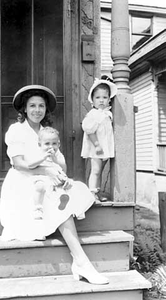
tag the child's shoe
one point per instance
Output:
(81, 216)
(40, 238)
(99, 197)
(38, 213)
(95, 194)
(102, 197)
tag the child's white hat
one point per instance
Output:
(111, 85)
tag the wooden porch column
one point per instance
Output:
(123, 165)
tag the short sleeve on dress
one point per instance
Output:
(14, 141)
(90, 123)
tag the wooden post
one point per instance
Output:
(122, 180)
(162, 215)
(120, 44)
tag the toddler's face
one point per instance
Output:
(101, 98)
(50, 142)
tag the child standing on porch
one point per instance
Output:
(49, 143)
(98, 139)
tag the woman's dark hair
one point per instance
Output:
(25, 97)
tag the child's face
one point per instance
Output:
(101, 98)
(49, 142)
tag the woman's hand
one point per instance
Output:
(49, 170)
(54, 174)
(68, 184)
(45, 169)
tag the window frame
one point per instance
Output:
(145, 36)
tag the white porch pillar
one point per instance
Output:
(123, 166)
(120, 43)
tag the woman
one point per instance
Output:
(34, 104)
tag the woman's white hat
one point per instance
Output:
(111, 85)
(17, 100)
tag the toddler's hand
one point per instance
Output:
(50, 153)
(98, 149)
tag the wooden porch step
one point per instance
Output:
(107, 250)
(108, 216)
(127, 285)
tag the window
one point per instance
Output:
(141, 31)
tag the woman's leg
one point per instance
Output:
(81, 266)
(69, 233)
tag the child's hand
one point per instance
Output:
(98, 148)
(49, 153)
(53, 155)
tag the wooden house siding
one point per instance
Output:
(106, 61)
(142, 94)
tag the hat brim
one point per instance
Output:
(51, 98)
(111, 85)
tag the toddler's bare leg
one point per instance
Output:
(38, 199)
(97, 166)
(95, 175)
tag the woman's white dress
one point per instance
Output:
(100, 122)
(17, 205)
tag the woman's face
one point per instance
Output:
(35, 109)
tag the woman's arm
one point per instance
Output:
(21, 165)
(36, 162)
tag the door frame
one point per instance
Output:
(72, 88)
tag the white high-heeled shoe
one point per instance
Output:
(88, 272)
